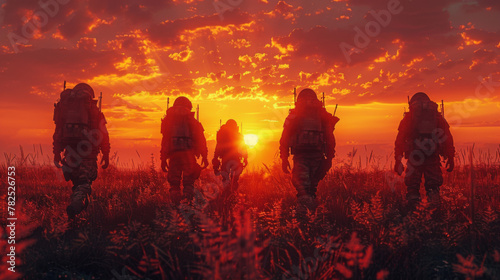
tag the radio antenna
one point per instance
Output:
(294, 96)
(100, 102)
(442, 107)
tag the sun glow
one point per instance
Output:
(251, 140)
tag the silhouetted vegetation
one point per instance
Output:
(359, 231)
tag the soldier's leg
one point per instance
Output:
(314, 166)
(301, 180)
(226, 178)
(236, 177)
(191, 172)
(82, 179)
(79, 198)
(433, 180)
(174, 179)
(232, 169)
(413, 178)
(301, 177)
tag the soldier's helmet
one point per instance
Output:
(306, 95)
(232, 124)
(84, 87)
(419, 97)
(308, 100)
(183, 102)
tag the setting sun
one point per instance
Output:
(231, 138)
(251, 139)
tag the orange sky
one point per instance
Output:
(244, 62)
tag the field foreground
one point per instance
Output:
(360, 229)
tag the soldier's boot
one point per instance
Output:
(223, 200)
(188, 193)
(79, 200)
(309, 201)
(413, 199)
(175, 196)
(306, 203)
(434, 199)
(233, 188)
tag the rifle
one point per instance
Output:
(294, 96)
(168, 102)
(442, 108)
(324, 106)
(335, 111)
(64, 86)
(198, 112)
(100, 102)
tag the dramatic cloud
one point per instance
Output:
(243, 59)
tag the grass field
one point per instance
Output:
(359, 230)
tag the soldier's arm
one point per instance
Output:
(285, 138)
(243, 148)
(400, 143)
(201, 141)
(164, 140)
(330, 137)
(217, 152)
(105, 145)
(57, 145)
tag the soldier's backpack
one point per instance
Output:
(77, 114)
(228, 141)
(309, 133)
(424, 118)
(176, 126)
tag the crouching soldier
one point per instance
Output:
(308, 136)
(424, 136)
(81, 134)
(182, 143)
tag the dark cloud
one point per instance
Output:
(134, 11)
(78, 24)
(324, 44)
(167, 33)
(481, 5)
(485, 55)
(307, 39)
(20, 15)
(450, 64)
(15, 10)
(87, 43)
(41, 72)
(486, 37)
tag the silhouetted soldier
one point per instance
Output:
(308, 135)
(81, 134)
(183, 142)
(423, 136)
(232, 151)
